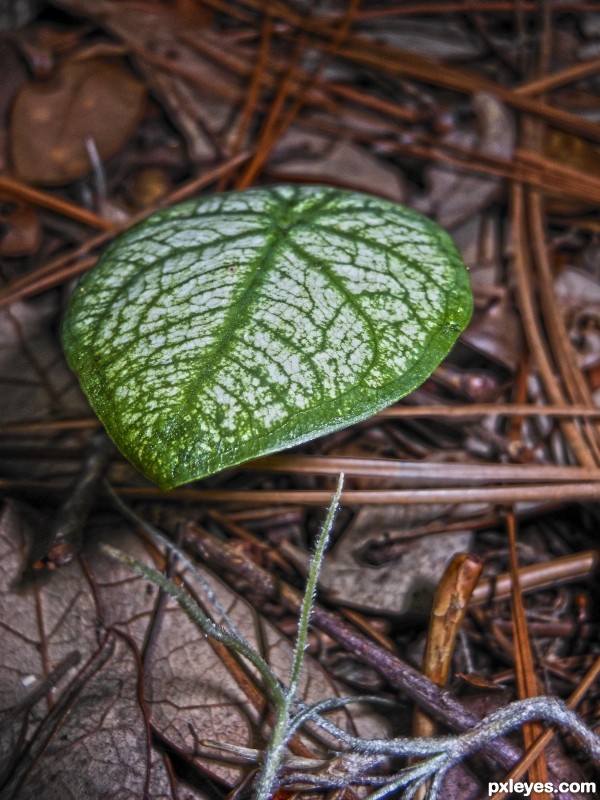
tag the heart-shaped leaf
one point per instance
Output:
(233, 326)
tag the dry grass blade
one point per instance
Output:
(272, 125)
(537, 577)
(278, 120)
(532, 169)
(454, 6)
(468, 411)
(482, 409)
(573, 72)
(552, 492)
(424, 471)
(399, 64)
(252, 97)
(572, 379)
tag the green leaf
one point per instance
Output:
(236, 325)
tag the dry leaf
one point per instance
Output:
(86, 737)
(53, 120)
(93, 740)
(35, 382)
(400, 586)
(322, 159)
(457, 194)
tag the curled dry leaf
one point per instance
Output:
(52, 120)
(93, 741)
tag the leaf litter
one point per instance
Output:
(179, 686)
(379, 120)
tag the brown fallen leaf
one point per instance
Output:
(144, 668)
(53, 120)
(86, 736)
(34, 379)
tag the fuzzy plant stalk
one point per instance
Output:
(161, 540)
(283, 727)
(199, 618)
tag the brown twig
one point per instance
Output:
(538, 577)
(17, 190)
(67, 527)
(538, 746)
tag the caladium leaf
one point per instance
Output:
(236, 325)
